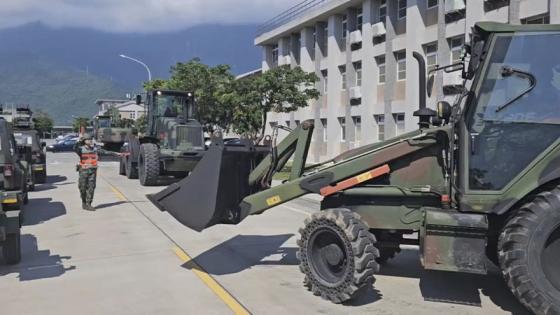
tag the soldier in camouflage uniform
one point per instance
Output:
(88, 153)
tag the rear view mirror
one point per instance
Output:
(430, 85)
(138, 99)
(444, 111)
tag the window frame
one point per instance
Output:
(344, 77)
(380, 121)
(381, 65)
(400, 62)
(453, 48)
(431, 54)
(358, 69)
(325, 75)
(324, 124)
(401, 122)
(401, 9)
(344, 27)
(382, 6)
(359, 20)
(275, 53)
(342, 123)
(357, 121)
(432, 6)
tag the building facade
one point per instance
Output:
(127, 108)
(361, 50)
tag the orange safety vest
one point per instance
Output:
(88, 160)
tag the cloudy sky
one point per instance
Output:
(138, 16)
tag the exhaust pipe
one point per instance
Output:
(424, 113)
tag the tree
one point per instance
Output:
(155, 84)
(212, 88)
(281, 90)
(80, 122)
(43, 122)
(141, 123)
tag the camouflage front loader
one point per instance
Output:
(478, 181)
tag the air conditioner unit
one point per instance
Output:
(356, 37)
(454, 6)
(378, 29)
(355, 92)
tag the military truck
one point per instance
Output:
(107, 132)
(13, 194)
(30, 148)
(477, 182)
(173, 142)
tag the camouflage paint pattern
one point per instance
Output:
(86, 184)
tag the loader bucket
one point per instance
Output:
(213, 190)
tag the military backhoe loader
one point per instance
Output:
(479, 179)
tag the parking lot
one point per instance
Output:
(130, 258)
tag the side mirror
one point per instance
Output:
(444, 111)
(138, 99)
(43, 144)
(430, 85)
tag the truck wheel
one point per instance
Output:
(122, 167)
(11, 249)
(337, 254)
(148, 164)
(388, 245)
(41, 177)
(529, 252)
(130, 169)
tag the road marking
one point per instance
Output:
(208, 280)
(224, 295)
(296, 210)
(118, 193)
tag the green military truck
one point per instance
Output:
(13, 194)
(479, 181)
(173, 142)
(106, 131)
(30, 147)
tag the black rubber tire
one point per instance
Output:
(131, 169)
(148, 164)
(358, 248)
(11, 248)
(387, 252)
(522, 245)
(41, 177)
(122, 166)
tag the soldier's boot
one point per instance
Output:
(89, 207)
(84, 205)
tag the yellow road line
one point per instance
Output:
(227, 298)
(222, 293)
(118, 193)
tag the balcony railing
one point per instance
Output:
(290, 15)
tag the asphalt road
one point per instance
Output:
(130, 258)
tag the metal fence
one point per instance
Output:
(290, 15)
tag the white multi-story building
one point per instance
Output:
(362, 52)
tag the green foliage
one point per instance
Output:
(43, 122)
(80, 122)
(141, 123)
(281, 89)
(155, 84)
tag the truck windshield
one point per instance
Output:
(516, 113)
(171, 105)
(104, 123)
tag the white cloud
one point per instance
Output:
(144, 16)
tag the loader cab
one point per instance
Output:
(168, 106)
(510, 120)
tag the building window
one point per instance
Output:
(288, 123)
(542, 19)
(344, 26)
(132, 115)
(357, 128)
(297, 122)
(382, 10)
(273, 124)
(399, 121)
(325, 81)
(275, 55)
(380, 120)
(358, 69)
(402, 9)
(324, 123)
(431, 55)
(342, 122)
(381, 65)
(401, 65)
(359, 19)
(432, 4)
(343, 74)
(456, 45)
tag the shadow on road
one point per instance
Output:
(52, 182)
(40, 210)
(245, 251)
(451, 287)
(109, 205)
(36, 264)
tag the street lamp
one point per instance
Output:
(140, 62)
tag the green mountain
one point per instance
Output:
(61, 91)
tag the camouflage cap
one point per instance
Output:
(87, 136)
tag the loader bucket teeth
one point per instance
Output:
(212, 192)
